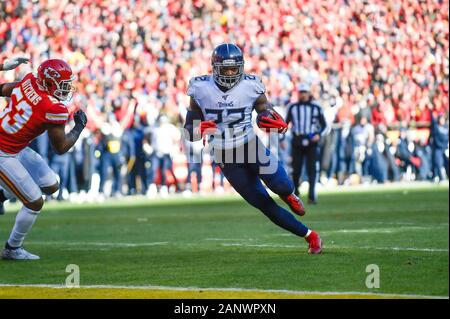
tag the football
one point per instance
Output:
(273, 121)
(266, 113)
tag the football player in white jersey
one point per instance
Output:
(221, 107)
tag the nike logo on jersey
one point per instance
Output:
(224, 97)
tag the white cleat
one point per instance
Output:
(18, 254)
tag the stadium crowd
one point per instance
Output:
(379, 68)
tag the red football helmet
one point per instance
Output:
(56, 77)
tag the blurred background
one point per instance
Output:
(378, 68)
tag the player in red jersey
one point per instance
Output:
(7, 65)
(35, 106)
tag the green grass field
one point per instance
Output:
(222, 242)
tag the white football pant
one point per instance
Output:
(24, 174)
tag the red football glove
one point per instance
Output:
(207, 127)
(269, 120)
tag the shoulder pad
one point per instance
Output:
(256, 82)
(200, 78)
(53, 99)
(251, 77)
(195, 82)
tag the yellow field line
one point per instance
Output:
(31, 292)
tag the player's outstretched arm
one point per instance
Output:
(62, 142)
(13, 63)
(262, 104)
(7, 88)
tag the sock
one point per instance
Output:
(8, 246)
(308, 233)
(24, 221)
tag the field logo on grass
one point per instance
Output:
(373, 279)
(73, 280)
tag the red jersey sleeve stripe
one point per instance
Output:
(57, 117)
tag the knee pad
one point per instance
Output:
(48, 179)
(36, 205)
(50, 190)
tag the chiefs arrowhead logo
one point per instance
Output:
(51, 73)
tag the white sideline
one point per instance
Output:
(340, 247)
(118, 245)
(385, 230)
(150, 287)
(235, 244)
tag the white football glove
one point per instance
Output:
(14, 63)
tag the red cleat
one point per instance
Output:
(315, 243)
(295, 203)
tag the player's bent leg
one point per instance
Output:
(39, 170)
(249, 186)
(24, 222)
(280, 183)
(35, 205)
(278, 215)
(16, 180)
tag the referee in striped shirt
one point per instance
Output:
(308, 125)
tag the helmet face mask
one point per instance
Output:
(65, 90)
(228, 81)
(227, 57)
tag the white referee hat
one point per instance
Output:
(303, 87)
